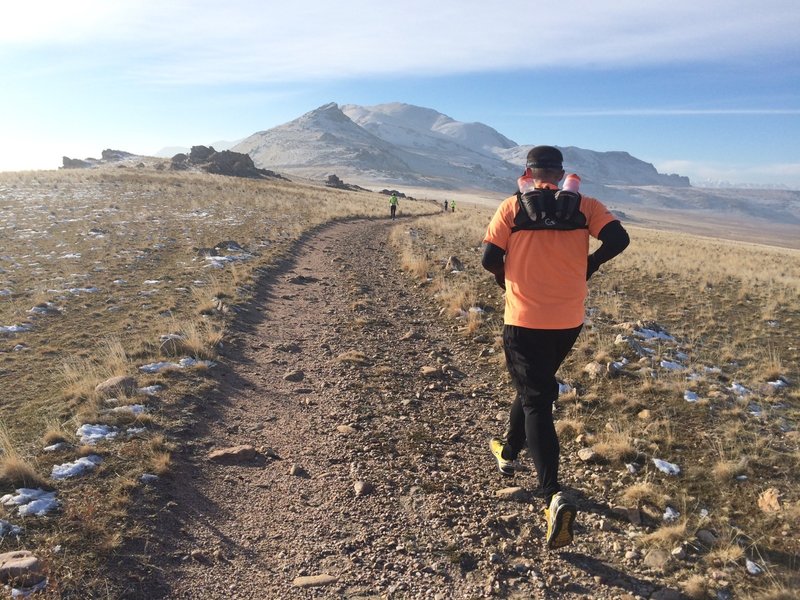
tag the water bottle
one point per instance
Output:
(526, 183)
(571, 183)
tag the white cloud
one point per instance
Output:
(245, 40)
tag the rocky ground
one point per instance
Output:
(364, 418)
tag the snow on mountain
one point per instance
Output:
(320, 142)
(326, 141)
(602, 168)
(416, 128)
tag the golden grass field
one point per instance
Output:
(103, 271)
(733, 313)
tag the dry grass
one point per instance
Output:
(113, 260)
(666, 536)
(735, 319)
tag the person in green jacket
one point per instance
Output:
(393, 205)
(452, 206)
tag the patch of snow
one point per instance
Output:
(671, 366)
(650, 335)
(564, 388)
(152, 281)
(148, 478)
(83, 290)
(150, 390)
(75, 468)
(753, 568)
(136, 409)
(7, 528)
(25, 592)
(56, 447)
(14, 328)
(91, 434)
(671, 515)
(159, 366)
(31, 501)
(666, 467)
(739, 389)
(690, 396)
(778, 384)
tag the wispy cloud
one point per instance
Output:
(246, 40)
(665, 112)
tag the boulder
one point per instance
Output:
(122, 384)
(20, 568)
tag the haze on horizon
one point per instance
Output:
(708, 89)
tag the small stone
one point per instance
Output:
(707, 537)
(666, 594)
(363, 488)
(297, 471)
(234, 454)
(679, 552)
(430, 372)
(605, 525)
(644, 415)
(346, 429)
(198, 555)
(588, 455)
(594, 369)
(122, 384)
(510, 493)
(308, 581)
(657, 559)
(294, 375)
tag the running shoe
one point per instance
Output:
(560, 517)
(506, 467)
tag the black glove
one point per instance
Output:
(592, 264)
(500, 278)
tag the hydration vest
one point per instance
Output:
(556, 210)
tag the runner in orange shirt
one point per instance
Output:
(537, 247)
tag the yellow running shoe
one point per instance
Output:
(560, 517)
(506, 467)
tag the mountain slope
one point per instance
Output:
(402, 144)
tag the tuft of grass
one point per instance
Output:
(696, 587)
(666, 536)
(15, 471)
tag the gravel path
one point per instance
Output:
(370, 416)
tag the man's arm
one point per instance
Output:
(614, 240)
(494, 261)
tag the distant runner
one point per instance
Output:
(445, 206)
(537, 247)
(393, 205)
(452, 206)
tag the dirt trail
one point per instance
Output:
(325, 378)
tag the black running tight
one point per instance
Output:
(533, 356)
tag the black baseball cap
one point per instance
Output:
(545, 157)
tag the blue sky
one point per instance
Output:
(708, 89)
